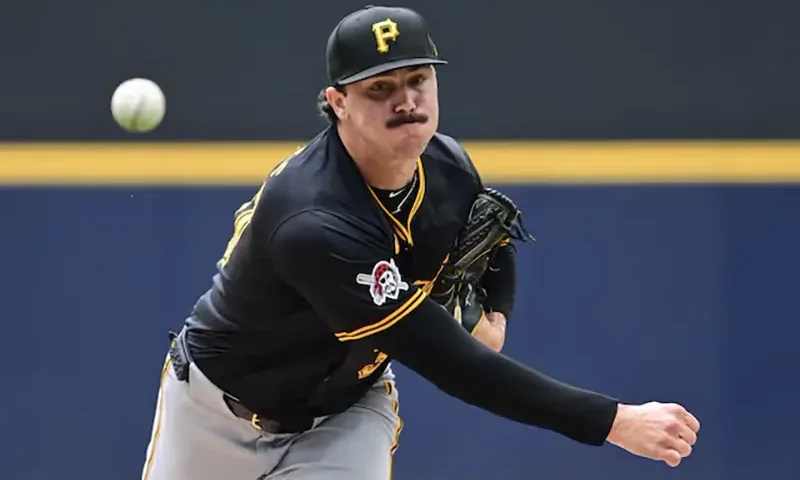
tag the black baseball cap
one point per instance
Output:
(376, 40)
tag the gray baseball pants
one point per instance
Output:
(196, 437)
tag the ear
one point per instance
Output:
(336, 101)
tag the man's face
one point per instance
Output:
(395, 113)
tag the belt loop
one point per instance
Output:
(255, 421)
(179, 352)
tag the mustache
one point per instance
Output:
(409, 118)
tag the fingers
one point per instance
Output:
(687, 434)
(678, 445)
(691, 421)
(680, 436)
(673, 450)
(685, 416)
(671, 458)
(667, 431)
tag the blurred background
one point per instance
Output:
(653, 147)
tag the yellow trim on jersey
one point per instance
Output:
(413, 302)
(397, 230)
(396, 410)
(418, 200)
(151, 449)
(404, 231)
(397, 429)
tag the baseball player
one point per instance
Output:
(356, 251)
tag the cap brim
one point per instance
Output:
(386, 67)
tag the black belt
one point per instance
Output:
(179, 353)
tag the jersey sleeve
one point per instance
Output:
(344, 269)
(463, 157)
(500, 281)
(335, 263)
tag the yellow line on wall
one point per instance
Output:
(239, 163)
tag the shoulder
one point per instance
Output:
(448, 151)
(302, 167)
(315, 181)
(316, 232)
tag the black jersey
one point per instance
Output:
(323, 283)
(280, 341)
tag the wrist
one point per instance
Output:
(618, 425)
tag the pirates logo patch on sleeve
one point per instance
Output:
(384, 282)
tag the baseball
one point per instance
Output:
(138, 105)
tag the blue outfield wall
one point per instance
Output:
(685, 293)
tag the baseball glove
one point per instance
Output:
(493, 221)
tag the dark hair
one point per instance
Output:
(325, 108)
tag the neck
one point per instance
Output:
(379, 169)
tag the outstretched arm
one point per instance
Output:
(350, 279)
